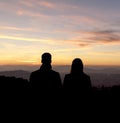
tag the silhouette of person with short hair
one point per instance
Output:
(45, 77)
(77, 80)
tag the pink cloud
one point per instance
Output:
(27, 3)
(20, 12)
(36, 3)
(46, 4)
(23, 12)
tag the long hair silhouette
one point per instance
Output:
(77, 80)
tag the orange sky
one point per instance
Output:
(80, 28)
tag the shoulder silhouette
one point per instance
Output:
(77, 80)
(45, 77)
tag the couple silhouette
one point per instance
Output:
(46, 78)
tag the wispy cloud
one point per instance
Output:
(92, 38)
(9, 7)
(106, 36)
(61, 12)
(24, 12)
(15, 28)
(26, 3)
(34, 3)
(46, 4)
(27, 39)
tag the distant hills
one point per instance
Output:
(107, 76)
(16, 73)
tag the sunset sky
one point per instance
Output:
(88, 29)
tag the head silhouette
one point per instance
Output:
(46, 58)
(77, 66)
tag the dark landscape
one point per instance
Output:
(100, 76)
(105, 89)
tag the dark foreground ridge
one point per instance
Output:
(18, 93)
(20, 84)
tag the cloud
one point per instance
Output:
(26, 3)
(23, 12)
(87, 39)
(106, 36)
(72, 21)
(46, 4)
(44, 41)
(16, 28)
(30, 8)
(84, 44)
(34, 3)
(61, 11)
(9, 7)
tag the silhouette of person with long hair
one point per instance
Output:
(45, 77)
(77, 80)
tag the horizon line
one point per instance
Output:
(55, 65)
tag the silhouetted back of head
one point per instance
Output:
(77, 66)
(46, 58)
